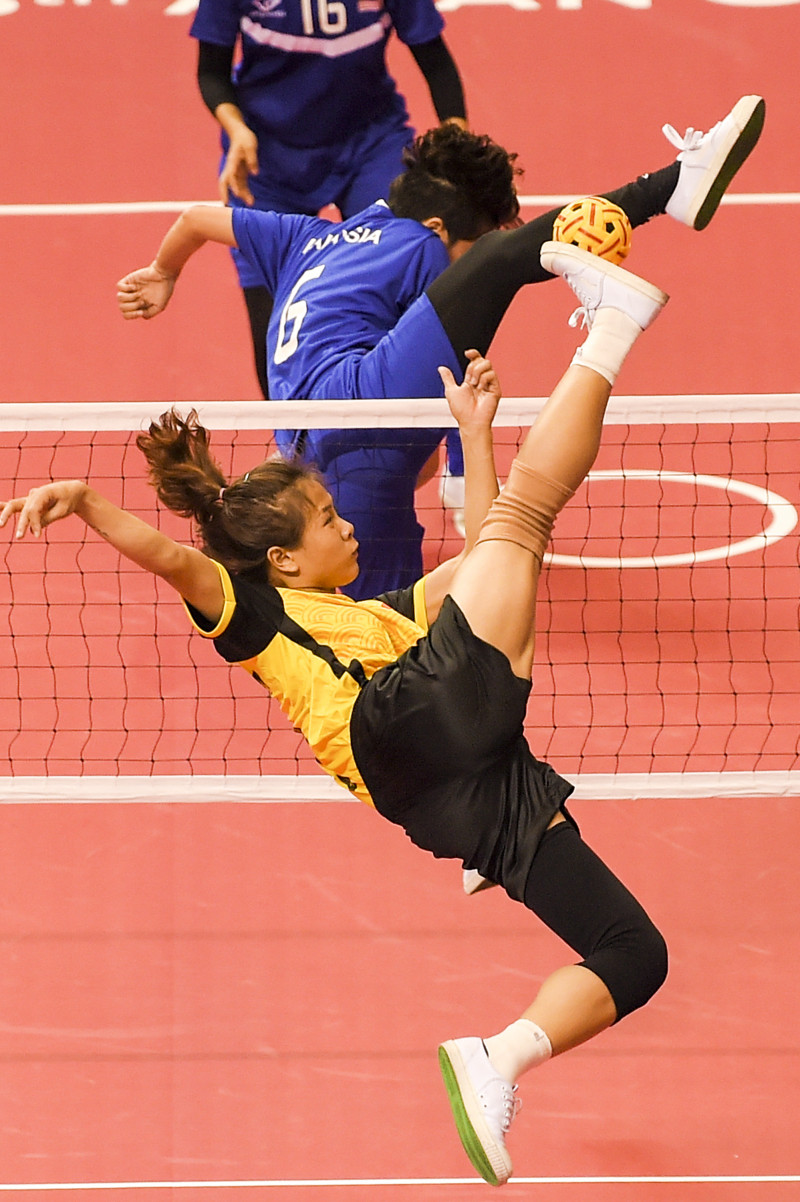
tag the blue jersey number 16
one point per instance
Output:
(331, 16)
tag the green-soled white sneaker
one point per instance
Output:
(483, 1105)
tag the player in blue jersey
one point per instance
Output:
(371, 308)
(310, 116)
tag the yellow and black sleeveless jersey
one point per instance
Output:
(314, 651)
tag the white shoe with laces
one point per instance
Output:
(599, 284)
(710, 161)
(484, 1105)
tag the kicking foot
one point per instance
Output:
(710, 161)
(483, 1104)
(599, 284)
(475, 883)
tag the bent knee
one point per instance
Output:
(633, 966)
(651, 967)
(655, 962)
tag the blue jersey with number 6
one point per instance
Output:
(350, 317)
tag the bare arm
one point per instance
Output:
(146, 292)
(473, 404)
(188, 571)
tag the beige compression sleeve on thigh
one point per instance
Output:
(525, 510)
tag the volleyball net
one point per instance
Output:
(668, 619)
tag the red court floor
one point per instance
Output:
(208, 992)
(218, 1001)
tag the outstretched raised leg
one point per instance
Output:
(709, 161)
(496, 585)
(689, 190)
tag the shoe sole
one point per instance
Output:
(457, 1083)
(586, 258)
(751, 110)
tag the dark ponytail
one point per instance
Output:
(237, 522)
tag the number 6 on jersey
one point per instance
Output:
(294, 311)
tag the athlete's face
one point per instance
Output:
(327, 557)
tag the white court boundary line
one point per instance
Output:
(382, 1182)
(112, 208)
(315, 790)
(783, 519)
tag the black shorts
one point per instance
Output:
(438, 739)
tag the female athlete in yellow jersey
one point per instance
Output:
(415, 701)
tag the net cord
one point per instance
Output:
(719, 408)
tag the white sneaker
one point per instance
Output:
(710, 161)
(451, 491)
(473, 882)
(599, 284)
(483, 1104)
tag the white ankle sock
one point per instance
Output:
(521, 1046)
(612, 335)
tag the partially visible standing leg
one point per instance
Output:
(451, 487)
(259, 310)
(625, 962)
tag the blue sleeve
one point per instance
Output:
(258, 235)
(216, 21)
(415, 21)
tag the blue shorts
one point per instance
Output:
(372, 485)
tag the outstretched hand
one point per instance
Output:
(43, 506)
(144, 293)
(474, 402)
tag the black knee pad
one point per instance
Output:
(632, 965)
(585, 904)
